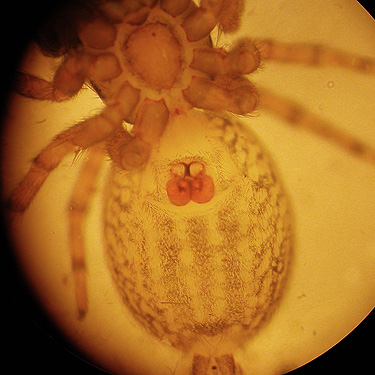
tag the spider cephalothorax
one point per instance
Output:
(149, 61)
(162, 60)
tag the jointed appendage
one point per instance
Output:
(80, 136)
(69, 77)
(296, 114)
(310, 54)
(77, 211)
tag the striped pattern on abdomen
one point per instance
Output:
(200, 269)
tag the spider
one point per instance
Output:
(159, 100)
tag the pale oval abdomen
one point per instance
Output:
(200, 269)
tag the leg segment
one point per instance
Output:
(225, 94)
(244, 58)
(201, 21)
(174, 7)
(80, 136)
(37, 88)
(227, 12)
(149, 126)
(298, 116)
(152, 118)
(198, 24)
(69, 77)
(313, 55)
(78, 206)
(98, 34)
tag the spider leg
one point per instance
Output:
(80, 136)
(77, 211)
(243, 58)
(296, 115)
(151, 120)
(201, 21)
(198, 24)
(38, 88)
(69, 77)
(174, 7)
(311, 54)
(225, 94)
(227, 12)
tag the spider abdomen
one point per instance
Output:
(202, 268)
